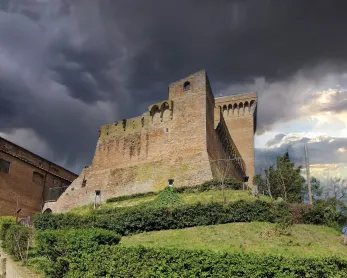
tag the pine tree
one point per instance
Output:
(282, 180)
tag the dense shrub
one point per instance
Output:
(17, 241)
(208, 185)
(283, 218)
(140, 219)
(116, 261)
(57, 246)
(167, 197)
(297, 211)
(5, 224)
(325, 212)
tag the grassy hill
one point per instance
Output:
(73, 243)
(188, 198)
(255, 237)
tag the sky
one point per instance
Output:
(67, 67)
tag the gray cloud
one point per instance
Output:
(322, 150)
(283, 100)
(338, 104)
(67, 67)
(277, 139)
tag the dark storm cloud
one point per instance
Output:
(238, 40)
(68, 66)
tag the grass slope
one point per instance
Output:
(188, 198)
(255, 237)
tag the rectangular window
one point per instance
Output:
(57, 182)
(38, 178)
(4, 166)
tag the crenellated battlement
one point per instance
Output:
(124, 126)
(237, 105)
(157, 113)
(161, 111)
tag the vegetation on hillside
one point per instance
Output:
(254, 237)
(72, 244)
(204, 197)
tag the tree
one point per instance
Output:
(316, 189)
(336, 188)
(282, 180)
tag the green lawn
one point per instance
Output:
(255, 237)
(189, 198)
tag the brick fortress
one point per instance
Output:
(192, 137)
(27, 180)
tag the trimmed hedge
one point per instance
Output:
(133, 220)
(230, 184)
(206, 186)
(55, 243)
(117, 261)
(57, 247)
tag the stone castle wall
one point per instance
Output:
(239, 112)
(183, 138)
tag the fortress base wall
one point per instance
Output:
(139, 178)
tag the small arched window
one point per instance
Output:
(186, 86)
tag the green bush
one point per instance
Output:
(132, 220)
(5, 224)
(18, 240)
(55, 247)
(117, 261)
(283, 217)
(206, 186)
(167, 197)
(325, 212)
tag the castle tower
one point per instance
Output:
(240, 115)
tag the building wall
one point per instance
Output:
(184, 138)
(239, 112)
(29, 179)
(222, 155)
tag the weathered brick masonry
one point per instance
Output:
(29, 179)
(186, 138)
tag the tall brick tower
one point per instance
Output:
(240, 115)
